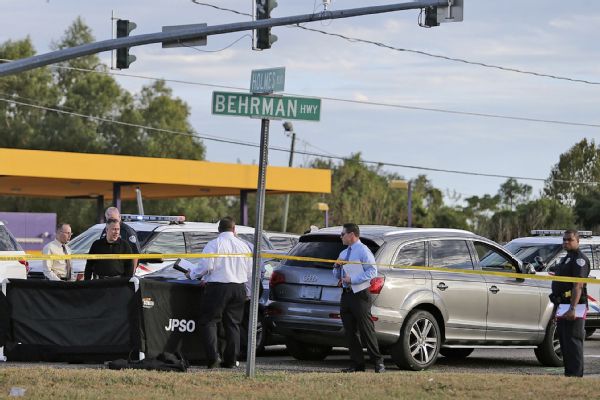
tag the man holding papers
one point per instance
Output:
(355, 306)
(570, 299)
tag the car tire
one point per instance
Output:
(589, 332)
(548, 352)
(456, 354)
(419, 343)
(306, 351)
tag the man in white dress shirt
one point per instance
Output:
(57, 270)
(224, 293)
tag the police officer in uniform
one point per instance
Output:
(127, 233)
(571, 330)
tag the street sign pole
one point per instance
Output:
(256, 259)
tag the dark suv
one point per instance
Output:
(418, 313)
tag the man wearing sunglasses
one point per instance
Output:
(355, 306)
(571, 329)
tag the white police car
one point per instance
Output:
(155, 235)
(543, 249)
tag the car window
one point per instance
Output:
(587, 250)
(527, 252)
(492, 259)
(450, 254)
(282, 243)
(596, 251)
(166, 243)
(7, 241)
(249, 237)
(198, 240)
(412, 254)
(82, 243)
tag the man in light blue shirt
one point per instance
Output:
(356, 300)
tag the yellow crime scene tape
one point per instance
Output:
(36, 257)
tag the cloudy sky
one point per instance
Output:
(551, 37)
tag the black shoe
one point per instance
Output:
(354, 369)
(379, 368)
(214, 364)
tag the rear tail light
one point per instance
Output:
(277, 278)
(376, 285)
(26, 264)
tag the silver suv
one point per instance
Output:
(418, 313)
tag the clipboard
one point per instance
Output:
(580, 310)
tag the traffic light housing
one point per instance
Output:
(124, 27)
(264, 38)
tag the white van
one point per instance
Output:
(544, 251)
(10, 247)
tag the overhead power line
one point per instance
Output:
(420, 52)
(343, 100)
(281, 149)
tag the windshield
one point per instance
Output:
(82, 243)
(7, 241)
(329, 250)
(528, 251)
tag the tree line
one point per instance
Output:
(360, 193)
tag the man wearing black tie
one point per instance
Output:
(356, 301)
(57, 270)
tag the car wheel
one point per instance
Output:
(419, 342)
(548, 352)
(589, 332)
(456, 354)
(261, 335)
(306, 351)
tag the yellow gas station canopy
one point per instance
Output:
(80, 175)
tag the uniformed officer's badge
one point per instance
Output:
(580, 262)
(132, 239)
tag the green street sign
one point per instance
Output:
(268, 107)
(267, 80)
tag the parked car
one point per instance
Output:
(10, 247)
(544, 251)
(417, 313)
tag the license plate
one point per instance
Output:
(310, 292)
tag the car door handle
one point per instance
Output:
(442, 286)
(494, 289)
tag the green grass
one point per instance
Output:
(57, 383)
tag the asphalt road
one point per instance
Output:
(517, 361)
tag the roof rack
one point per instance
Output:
(174, 219)
(557, 232)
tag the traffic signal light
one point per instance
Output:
(124, 27)
(264, 39)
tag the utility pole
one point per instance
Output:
(289, 128)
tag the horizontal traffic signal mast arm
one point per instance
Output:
(41, 60)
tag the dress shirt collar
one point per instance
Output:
(226, 235)
(354, 244)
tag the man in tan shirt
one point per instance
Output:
(57, 270)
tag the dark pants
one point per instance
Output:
(222, 302)
(571, 335)
(355, 310)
